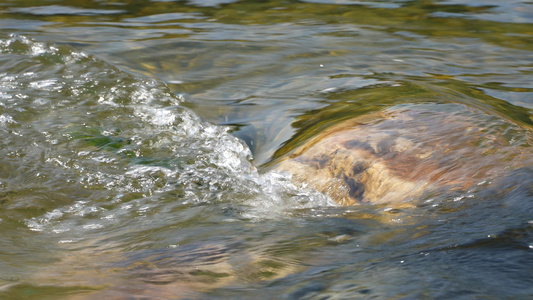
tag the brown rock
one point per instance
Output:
(406, 152)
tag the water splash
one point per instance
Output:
(98, 136)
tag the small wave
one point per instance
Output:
(101, 134)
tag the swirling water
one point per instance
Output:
(135, 135)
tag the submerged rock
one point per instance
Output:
(174, 272)
(408, 152)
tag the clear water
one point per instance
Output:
(140, 140)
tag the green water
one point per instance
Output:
(139, 138)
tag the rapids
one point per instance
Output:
(169, 149)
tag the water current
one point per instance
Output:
(180, 149)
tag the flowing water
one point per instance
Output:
(141, 142)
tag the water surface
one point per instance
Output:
(139, 138)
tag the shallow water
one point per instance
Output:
(140, 141)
